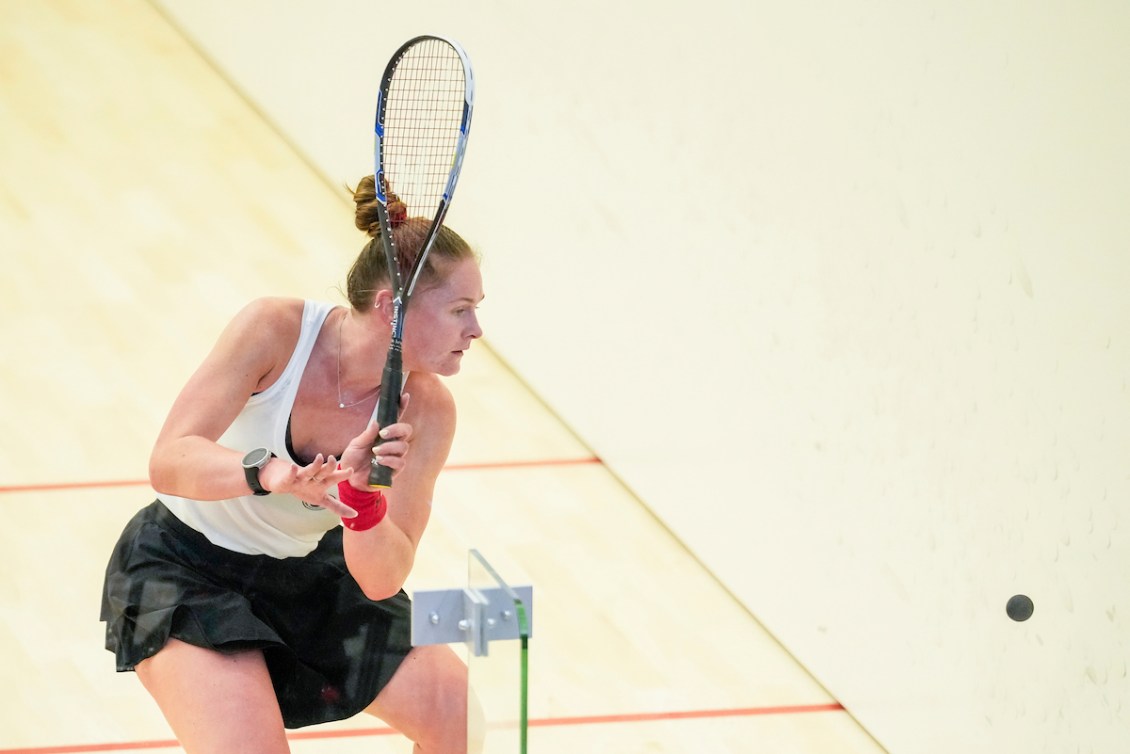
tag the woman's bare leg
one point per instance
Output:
(426, 700)
(215, 703)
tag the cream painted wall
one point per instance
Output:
(839, 289)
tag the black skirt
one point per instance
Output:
(328, 647)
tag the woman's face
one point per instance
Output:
(441, 321)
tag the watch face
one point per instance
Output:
(256, 458)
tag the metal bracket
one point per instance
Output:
(474, 616)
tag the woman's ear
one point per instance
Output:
(382, 303)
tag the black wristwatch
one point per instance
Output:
(252, 462)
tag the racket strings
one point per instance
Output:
(424, 117)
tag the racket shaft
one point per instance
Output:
(388, 411)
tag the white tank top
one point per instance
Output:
(279, 525)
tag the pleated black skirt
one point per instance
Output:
(329, 648)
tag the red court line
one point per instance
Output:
(484, 466)
(640, 717)
(644, 717)
(523, 464)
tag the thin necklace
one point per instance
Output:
(341, 401)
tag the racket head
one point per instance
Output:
(423, 119)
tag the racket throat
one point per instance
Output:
(397, 321)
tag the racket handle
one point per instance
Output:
(388, 412)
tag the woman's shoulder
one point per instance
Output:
(430, 400)
(273, 315)
(431, 412)
(265, 327)
(280, 308)
(430, 391)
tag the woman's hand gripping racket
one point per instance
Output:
(423, 118)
